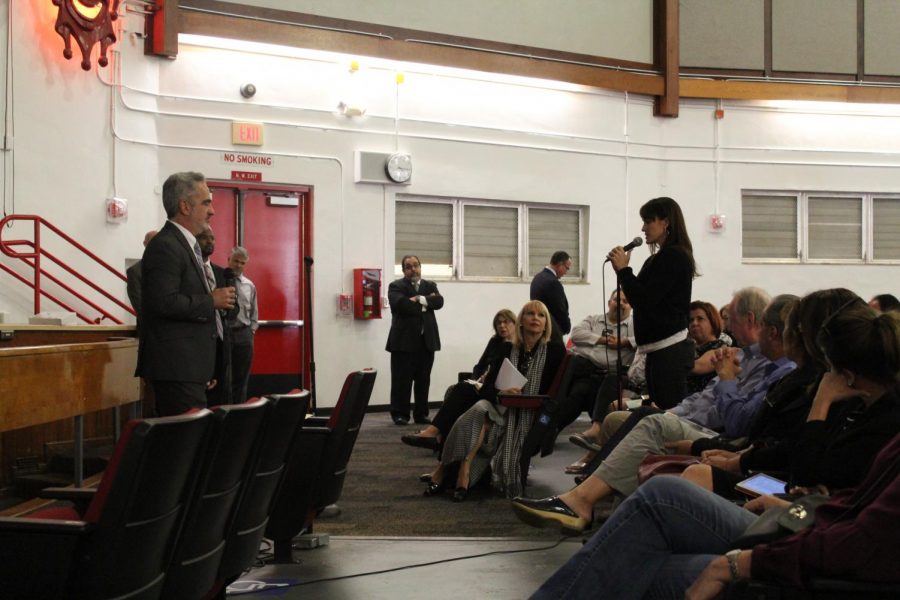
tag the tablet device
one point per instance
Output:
(760, 484)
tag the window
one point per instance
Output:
(820, 227)
(483, 240)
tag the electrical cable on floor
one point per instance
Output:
(413, 566)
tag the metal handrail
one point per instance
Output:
(33, 260)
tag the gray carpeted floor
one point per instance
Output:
(382, 495)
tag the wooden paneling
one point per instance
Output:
(45, 386)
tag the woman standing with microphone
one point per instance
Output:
(660, 295)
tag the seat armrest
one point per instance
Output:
(315, 422)
(522, 401)
(9, 525)
(71, 494)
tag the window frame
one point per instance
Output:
(459, 205)
(867, 241)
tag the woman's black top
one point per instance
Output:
(696, 383)
(660, 294)
(493, 349)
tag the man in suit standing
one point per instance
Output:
(133, 274)
(180, 320)
(547, 288)
(218, 391)
(413, 340)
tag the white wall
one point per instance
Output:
(470, 135)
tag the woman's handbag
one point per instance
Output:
(781, 521)
(664, 464)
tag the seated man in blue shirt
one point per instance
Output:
(736, 400)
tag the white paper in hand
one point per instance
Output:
(509, 377)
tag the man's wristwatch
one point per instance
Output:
(732, 557)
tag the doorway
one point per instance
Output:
(274, 224)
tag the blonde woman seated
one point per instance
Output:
(490, 435)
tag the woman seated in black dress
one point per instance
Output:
(490, 435)
(461, 396)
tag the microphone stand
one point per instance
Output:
(620, 376)
(309, 322)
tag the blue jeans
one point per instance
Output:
(654, 546)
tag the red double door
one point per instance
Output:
(274, 224)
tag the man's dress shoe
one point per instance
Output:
(549, 512)
(400, 420)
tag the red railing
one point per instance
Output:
(33, 257)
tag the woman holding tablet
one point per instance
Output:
(661, 296)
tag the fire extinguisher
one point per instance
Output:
(368, 301)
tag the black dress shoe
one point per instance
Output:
(425, 477)
(420, 441)
(422, 421)
(549, 512)
(434, 489)
(400, 420)
(460, 493)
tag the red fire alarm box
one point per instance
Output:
(367, 293)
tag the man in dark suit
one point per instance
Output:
(413, 340)
(133, 274)
(180, 322)
(547, 288)
(219, 390)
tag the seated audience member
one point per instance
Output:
(726, 326)
(706, 330)
(461, 396)
(618, 472)
(671, 532)
(747, 307)
(854, 412)
(489, 434)
(594, 345)
(885, 303)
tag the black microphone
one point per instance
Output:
(229, 276)
(637, 241)
(308, 260)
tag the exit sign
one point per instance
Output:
(246, 134)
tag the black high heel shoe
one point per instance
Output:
(435, 489)
(425, 477)
(460, 493)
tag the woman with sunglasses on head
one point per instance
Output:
(672, 538)
(661, 295)
(490, 435)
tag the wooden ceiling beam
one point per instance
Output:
(667, 60)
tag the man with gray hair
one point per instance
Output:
(180, 322)
(243, 324)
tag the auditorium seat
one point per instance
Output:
(317, 466)
(121, 544)
(278, 437)
(224, 467)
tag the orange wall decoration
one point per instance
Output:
(87, 22)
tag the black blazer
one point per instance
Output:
(547, 288)
(409, 322)
(178, 325)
